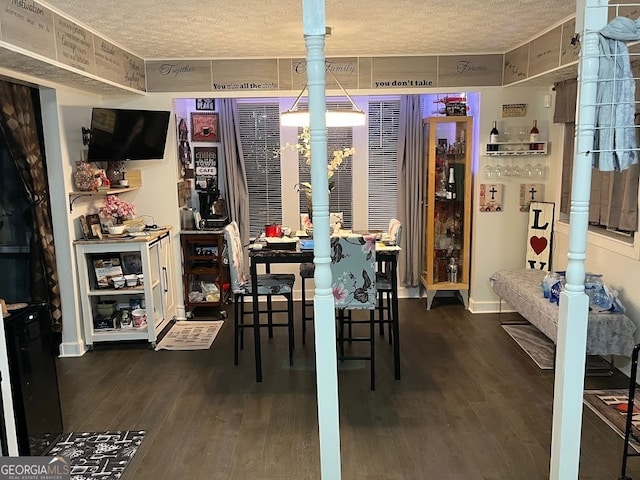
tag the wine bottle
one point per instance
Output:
(493, 138)
(534, 136)
(451, 185)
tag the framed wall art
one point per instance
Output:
(205, 103)
(204, 127)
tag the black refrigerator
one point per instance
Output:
(31, 351)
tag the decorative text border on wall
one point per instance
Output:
(33, 27)
(37, 29)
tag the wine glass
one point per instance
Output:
(489, 171)
(523, 134)
(516, 171)
(528, 170)
(507, 133)
(540, 171)
(498, 171)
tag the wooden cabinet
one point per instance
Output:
(100, 261)
(448, 158)
(203, 265)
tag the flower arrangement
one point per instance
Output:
(303, 147)
(114, 209)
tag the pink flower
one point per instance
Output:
(339, 293)
(369, 243)
(114, 207)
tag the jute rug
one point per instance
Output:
(98, 455)
(190, 335)
(611, 407)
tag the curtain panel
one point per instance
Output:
(19, 125)
(614, 195)
(411, 190)
(237, 189)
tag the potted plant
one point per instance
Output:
(114, 210)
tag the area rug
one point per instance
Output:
(611, 407)
(534, 343)
(98, 455)
(190, 335)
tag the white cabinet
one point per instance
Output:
(151, 258)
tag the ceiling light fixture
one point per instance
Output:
(335, 118)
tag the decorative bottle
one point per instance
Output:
(534, 137)
(452, 270)
(493, 138)
(451, 185)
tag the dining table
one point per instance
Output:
(272, 254)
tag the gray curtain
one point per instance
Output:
(613, 202)
(234, 170)
(411, 190)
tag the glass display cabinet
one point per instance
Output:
(447, 157)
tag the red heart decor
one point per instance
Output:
(538, 244)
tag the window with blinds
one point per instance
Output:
(384, 118)
(260, 138)
(341, 197)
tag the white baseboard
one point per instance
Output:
(72, 349)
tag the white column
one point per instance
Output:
(313, 14)
(574, 303)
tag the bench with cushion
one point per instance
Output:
(607, 333)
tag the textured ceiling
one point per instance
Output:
(273, 28)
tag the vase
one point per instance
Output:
(83, 178)
(115, 172)
(309, 197)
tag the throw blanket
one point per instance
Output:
(615, 137)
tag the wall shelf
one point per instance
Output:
(73, 196)
(514, 148)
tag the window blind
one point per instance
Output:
(341, 198)
(384, 118)
(260, 138)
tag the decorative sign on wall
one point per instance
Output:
(204, 127)
(205, 103)
(530, 192)
(206, 167)
(539, 237)
(491, 197)
(178, 75)
(514, 110)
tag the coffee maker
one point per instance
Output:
(207, 199)
(213, 210)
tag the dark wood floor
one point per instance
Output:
(470, 405)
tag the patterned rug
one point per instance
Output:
(98, 455)
(190, 335)
(611, 406)
(534, 343)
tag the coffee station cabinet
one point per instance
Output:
(149, 258)
(205, 276)
(447, 165)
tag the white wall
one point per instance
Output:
(498, 239)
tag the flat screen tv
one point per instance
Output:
(118, 134)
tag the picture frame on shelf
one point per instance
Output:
(204, 127)
(84, 227)
(94, 226)
(131, 263)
